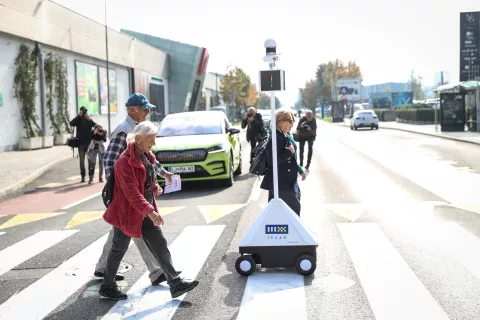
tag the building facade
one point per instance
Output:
(190, 65)
(81, 44)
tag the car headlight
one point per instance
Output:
(218, 148)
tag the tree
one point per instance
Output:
(235, 83)
(252, 98)
(327, 75)
(415, 84)
(310, 94)
(264, 101)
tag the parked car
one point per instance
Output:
(364, 119)
(199, 145)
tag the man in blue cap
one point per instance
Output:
(138, 108)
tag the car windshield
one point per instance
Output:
(189, 125)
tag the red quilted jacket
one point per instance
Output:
(129, 207)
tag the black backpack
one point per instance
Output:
(259, 162)
(107, 192)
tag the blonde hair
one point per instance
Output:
(144, 128)
(283, 115)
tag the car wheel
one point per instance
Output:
(231, 179)
(239, 168)
(351, 128)
(356, 128)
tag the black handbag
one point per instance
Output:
(107, 192)
(73, 142)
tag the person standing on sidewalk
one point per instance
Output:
(254, 121)
(307, 132)
(138, 109)
(96, 147)
(84, 126)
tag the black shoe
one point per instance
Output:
(118, 276)
(182, 287)
(162, 278)
(112, 293)
(100, 180)
(83, 179)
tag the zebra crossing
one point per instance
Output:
(393, 288)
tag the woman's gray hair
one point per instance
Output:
(144, 128)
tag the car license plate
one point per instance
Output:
(182, 169)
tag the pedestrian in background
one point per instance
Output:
(307, 132)
(96, 147)
(133, 212)
(255, 129)
(84, 126)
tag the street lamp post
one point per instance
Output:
(108, 74)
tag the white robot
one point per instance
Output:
(278, 238)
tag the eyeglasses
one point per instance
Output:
(291, 121)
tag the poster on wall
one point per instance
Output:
(401, 98)
(103, 90)
(142, 82)
(469, 45)
(381, 100)
(87, 87)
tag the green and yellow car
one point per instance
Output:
(199, 145)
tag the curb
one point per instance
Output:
(31, 177)
(411, 131)
(433, 135)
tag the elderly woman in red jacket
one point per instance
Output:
(133, 212)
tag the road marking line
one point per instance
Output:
(256, 190)
(22, 251)
(213, 213)
(2, 233)
(274, 295)
(168, 210)
(24, 218)
(189, 251)
(462, 245)
(81, 201)
(392, 288)
(53, 289)
(83, 217)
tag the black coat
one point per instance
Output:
(287, 165)
(305, 134)
(84, 129)
(255, 127)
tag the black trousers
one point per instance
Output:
(253, 144)
(82, 150)
(310, 150)
(289, 197)
(155, 241)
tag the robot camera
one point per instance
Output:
(271, 47)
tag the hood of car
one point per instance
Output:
(180, 143)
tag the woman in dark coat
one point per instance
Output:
(286, 162)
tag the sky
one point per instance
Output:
(387, 38)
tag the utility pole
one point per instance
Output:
(108, 75)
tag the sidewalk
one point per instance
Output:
(426, 129)
(19, 168)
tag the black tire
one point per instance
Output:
(305, 264)
(351, 128)
(355, 127)
(231, 176)
(241, 265)
(376, 127)
(239, 169)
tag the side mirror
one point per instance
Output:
(233, 130)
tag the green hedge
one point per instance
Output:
(416, 115)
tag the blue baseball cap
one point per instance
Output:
(139, 100)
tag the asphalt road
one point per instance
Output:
(396, 215)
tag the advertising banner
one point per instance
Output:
(400, 98)
(452, 111)
(104, 100)
(348, 89)
(87, 87)
(469, 45)
(142, 82)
